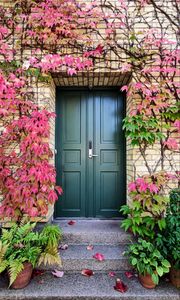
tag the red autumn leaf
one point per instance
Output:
(71, 222)
(99, 49)
(112, 274)
(63, 247)
(90, 247)
(129, 274)
(87, 272)
(120, 286)
(59, 190)
(99, 256)
(37, 272)
(58, 273)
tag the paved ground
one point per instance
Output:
(75, 286)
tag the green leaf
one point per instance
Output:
(125, 210)
(3, 265)
(156, 253)
(160, 271)
(134, 261)
(127, 223)
(155, 278)
(14, 269)
(165, 270)
(166, 263)
(162, 224)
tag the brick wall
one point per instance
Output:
(47, 93)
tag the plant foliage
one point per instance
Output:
(147, 259)
(22, 244)
(146, 212)
(169, 240)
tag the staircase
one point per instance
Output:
(107, 239)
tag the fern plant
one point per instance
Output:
(22, 244)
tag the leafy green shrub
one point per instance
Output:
(169, 240)
(147, 259)
(21, 244)
(140, 222)
(146, 212)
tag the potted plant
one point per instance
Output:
(146, 212)
(21, 249)
(148, 262)
(169, 240)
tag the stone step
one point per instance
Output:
(77, 258)
(74, 286)
(93, 232)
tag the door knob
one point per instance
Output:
(91, 155)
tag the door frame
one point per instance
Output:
(88, 89)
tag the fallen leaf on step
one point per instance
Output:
(120, 286)
(63, 247)
(112, 274)
(129, 274)
(99, 256)
(72, 222)
(37, 272)
(58, 273)
(90, 247)
(87, 272)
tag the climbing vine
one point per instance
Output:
(38, 38)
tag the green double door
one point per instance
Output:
(90, 159)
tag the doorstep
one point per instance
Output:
(74, 286)
(93, 231)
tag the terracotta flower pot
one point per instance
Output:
(175, 277)
(147, 281)
(24, 277)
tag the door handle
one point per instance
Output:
(91, 155)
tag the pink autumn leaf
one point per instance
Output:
(63, 247)
(3, 111)
(132, 187)
(71, 71)
(120, 286)
(99, 49)
(129, 274)
(90, 247)
(171, 144)
(57, 273)
(153, 188)
(87, 272)
(59, 190)
(124, 88)
(72, 222)
(112, 274)
(33, 212)
(99, 256)
(177, 125)
(52, 197)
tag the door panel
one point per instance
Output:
(107, 169)
(92, 187)
(70, 160)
